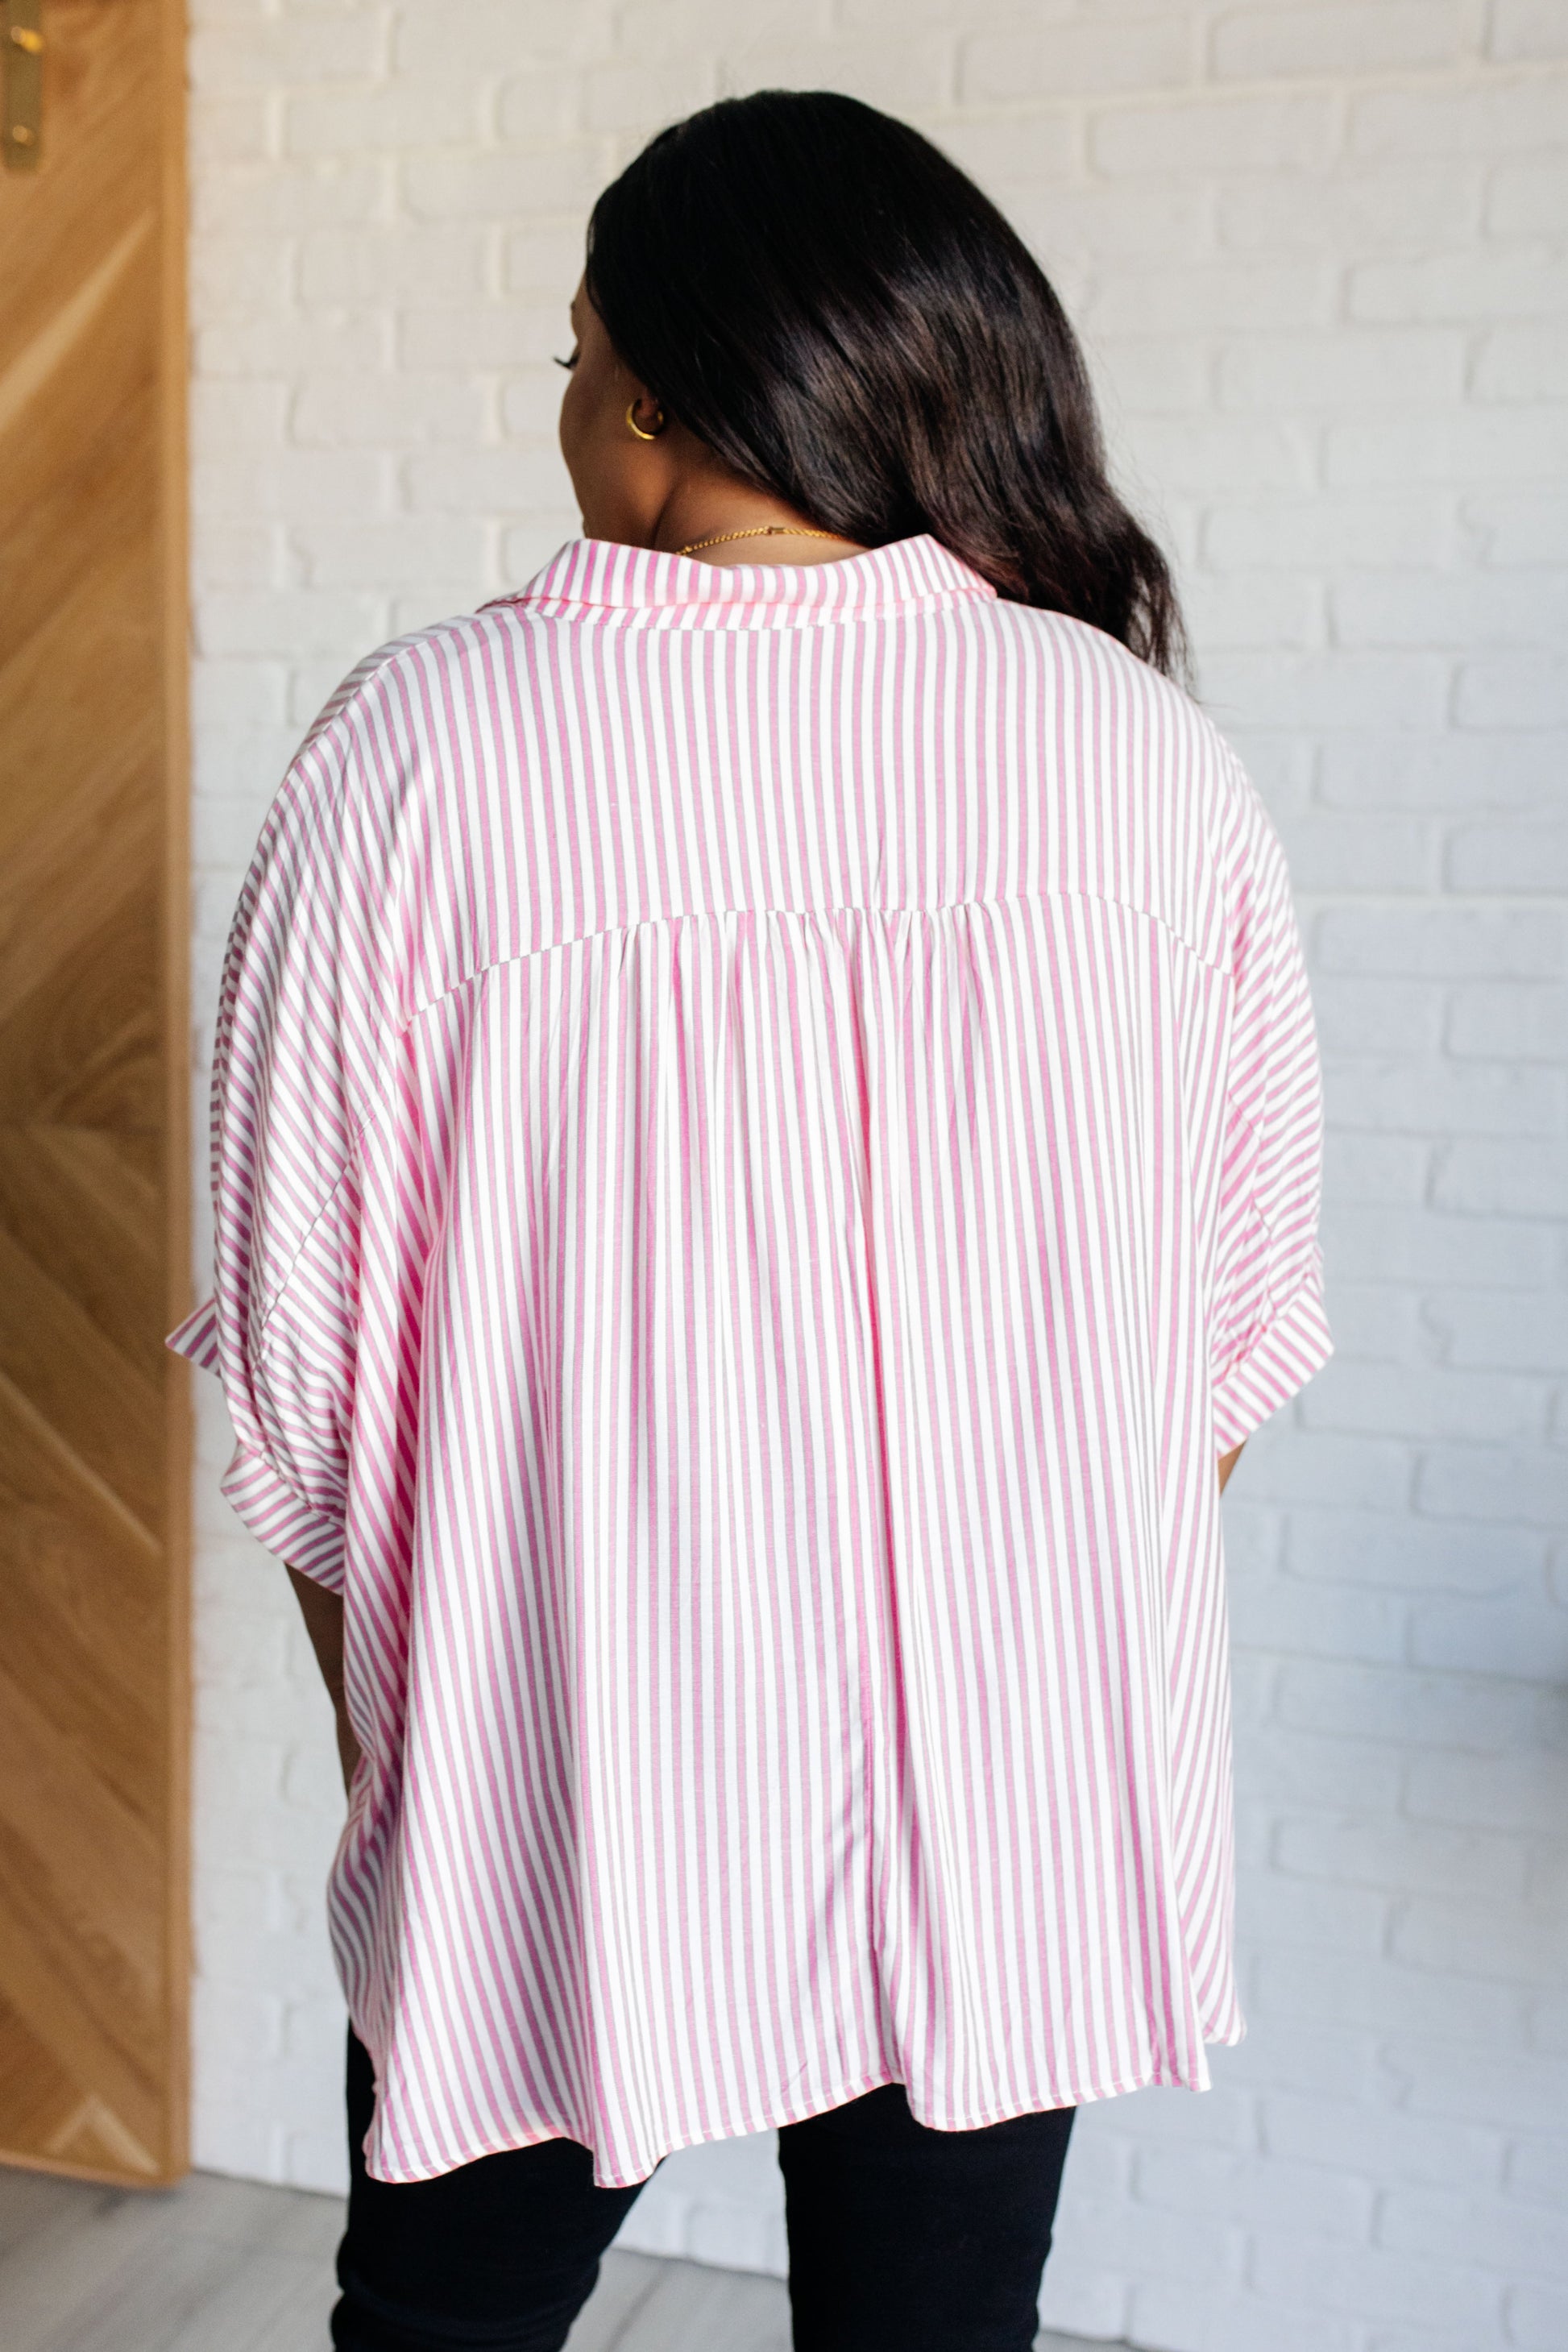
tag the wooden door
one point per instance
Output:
(93, 1643)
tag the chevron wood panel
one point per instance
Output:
(93, 1958)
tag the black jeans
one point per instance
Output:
(898, 2236)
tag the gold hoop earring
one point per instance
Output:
(637, 428)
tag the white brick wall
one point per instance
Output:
(1321, 254)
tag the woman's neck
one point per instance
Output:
(717, 519)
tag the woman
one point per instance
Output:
(766, 1141)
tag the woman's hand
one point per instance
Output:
(323, 1614)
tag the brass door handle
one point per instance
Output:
(22, 65)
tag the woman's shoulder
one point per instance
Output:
(1157, 730)
(410, 664)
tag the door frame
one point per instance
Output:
(174, 948)
(171, 459)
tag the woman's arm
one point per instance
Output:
(323, 1614)
(1227, 1462)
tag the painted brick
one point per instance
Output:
(563, 178)
(1404, 367)
(1373, 1016)
(1328, 314)
(244, 554)
(390, 117)
(1528, 1330)
(1296, 1915)
(1522, 2240)
(1113, 224)
(251, 201)
(283, 622)
(1463, 447)
(327, 48)
(227, 415)
(226, 129)
(1464, 772)
(1149, 376)
(1520, 1792)
(366, 554)
(1402, 1857)
(1405, 2340)
(1277, 2057)
(433, 265)
(1514, 689)
(1528, 198)
(1445, 1711)
(377, 412)
(1356, 37)
(1465, 286)
(1209, 136)
(641, 95)
(489, 35)
(1328, 691)
(349, 343)
(1375, 1322)
(1529, 28)
(239, 273)
(1299, 1620)
(1527, 1180)
(1378, 2144)
(1443, 943)
(1529, 1024)
(1525, 363)
(1302, 1768)
(1488, 1940)
(1407, 1400)
(1413, 1555)
(1446, 1099)
(1538, 2170)
(1548, 2025)
(1373, 2282)
(1528, 858)
(906, 75)
(1514, 528)
(1374, 1472)
(1486, 117)
(459, 480)
(1306, 534)
(547, 103)
(490, 335)
(1475, 1482)
(1056, 60)
(1010, 157)
(1169, 2316)
(1459, 609)
(1208, 2181)
(1248, 610)
(1383, 1168)
(1538, 2318)
(1366, 855)
(1353, 210)
(1220, 294)
(1525, 1636)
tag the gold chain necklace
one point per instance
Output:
(758, 530)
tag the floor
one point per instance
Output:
(219, 2265)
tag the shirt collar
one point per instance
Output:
(682, 591)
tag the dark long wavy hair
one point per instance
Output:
(834, 309)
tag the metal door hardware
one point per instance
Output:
(21, 74)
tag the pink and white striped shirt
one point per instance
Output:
(766, 1134)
